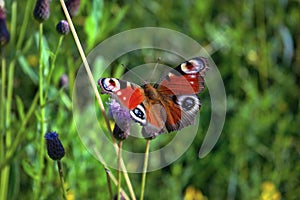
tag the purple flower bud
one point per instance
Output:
(63, 27)
(55, 148)
(118, 112)
(121, 133)
(41, 10)
(4, 34)
(122, 118)
(121, 196)
(73, 7)
(63, 81)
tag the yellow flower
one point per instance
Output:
(192, 193)
(269, 191)
(70, 192)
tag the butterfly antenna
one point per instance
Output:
(136, 74)
(155, 67)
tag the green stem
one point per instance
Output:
(119, 169)
(3, 84)
(108, 182)
(145, 169)
(5, 160)
(13, 25)
(111, 176)
(25, 21)
(5, 138)
(19, 137)
(4, 182)
(92, 82)
(42, 114)
(61, 176)
(52, 66)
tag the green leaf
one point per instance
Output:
(92, 22)
(27, 69)
(117, 19)
(20, 107)
(29, 169)
(45, 52)
(119, 71)
(109, 22)
(66, 100)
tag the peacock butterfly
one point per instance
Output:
(169, 105)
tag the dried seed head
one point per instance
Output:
(121, 133)
(121, 196)
(4, 34)
(55, 148)
(41, 10)
(63, 81)
(63, 27)
(122, 118)
(73, 7)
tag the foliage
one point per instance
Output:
(255, 45)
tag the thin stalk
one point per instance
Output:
(13, 148)
(27, 15)
(119, 169)
(86, 65)
(61, 176)
(3, 88)
(52, 66)
(42, 113)
(94, 87)
(13, 25)
(108, 174)
(4, 182)
(5, 160)
(112, 177)
(145, 169)
(5, 138)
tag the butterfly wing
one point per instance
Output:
(171, 104)
(132, 97)
(128, 94)
(179, 91)
(186, 78)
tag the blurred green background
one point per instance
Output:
(256, 46)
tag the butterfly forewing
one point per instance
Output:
(128, 94)
(187, 78)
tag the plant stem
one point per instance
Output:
(145, 169)
(108, 182)
(100, 158)
(5, 138)
(52, 66)
(13, 148)
(2, 108)
(61, 176)
(119, 169)
(9, 152)
(94, 87)
(42, 113)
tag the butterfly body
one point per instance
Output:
(169, 105)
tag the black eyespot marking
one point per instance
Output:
(188, 103)
(112, 82)
(139, 113)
